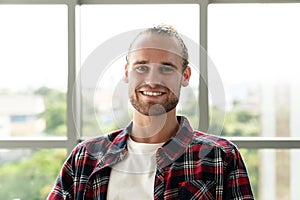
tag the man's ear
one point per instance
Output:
(126, 73)
(186, 76)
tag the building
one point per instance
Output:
(20, 115)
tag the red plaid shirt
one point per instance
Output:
(191, 165)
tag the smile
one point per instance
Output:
(152, 94)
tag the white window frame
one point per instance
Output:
(72, 139)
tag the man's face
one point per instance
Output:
(155, 74)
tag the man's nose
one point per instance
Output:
(153, 78)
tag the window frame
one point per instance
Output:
(74, 113)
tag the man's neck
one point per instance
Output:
(154, 129)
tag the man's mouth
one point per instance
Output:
(152, 94)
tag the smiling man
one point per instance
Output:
(158, 155)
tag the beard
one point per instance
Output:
(152, 108)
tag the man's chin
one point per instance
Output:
(155, 110)
(153, 113)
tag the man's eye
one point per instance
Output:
(166, 69)
(141, 69)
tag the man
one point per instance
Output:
(158, 155)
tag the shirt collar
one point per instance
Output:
(167, 154)
(115, 147)
(177, 144)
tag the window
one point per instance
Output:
(33, 70)
(255, 55)
(268, 179)
(33, 86)
(257, 60)
(105, 101)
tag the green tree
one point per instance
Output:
(241, 123)
(31, 178)
(56, 111)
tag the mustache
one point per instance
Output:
(146, 86)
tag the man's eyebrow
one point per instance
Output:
(169, 64)
(140, 62)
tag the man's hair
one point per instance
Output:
(166, 31)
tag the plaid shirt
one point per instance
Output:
(191, 165)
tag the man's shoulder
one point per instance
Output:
(97, 144)
(213, 141)
(108, 136)
(200, 141)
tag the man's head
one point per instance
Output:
(156, 69)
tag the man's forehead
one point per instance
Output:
(157, 42)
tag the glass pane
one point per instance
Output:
(29, 174)
(103, 46)
(33, 68)
(268, 179)
(255, 50)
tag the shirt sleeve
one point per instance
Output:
(236, 180)
(63, 187)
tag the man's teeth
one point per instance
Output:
(152, 93)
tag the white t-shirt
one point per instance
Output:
(133, 177)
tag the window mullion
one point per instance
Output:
(73, 100)
(203, 87)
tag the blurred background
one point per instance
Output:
(252, 45)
